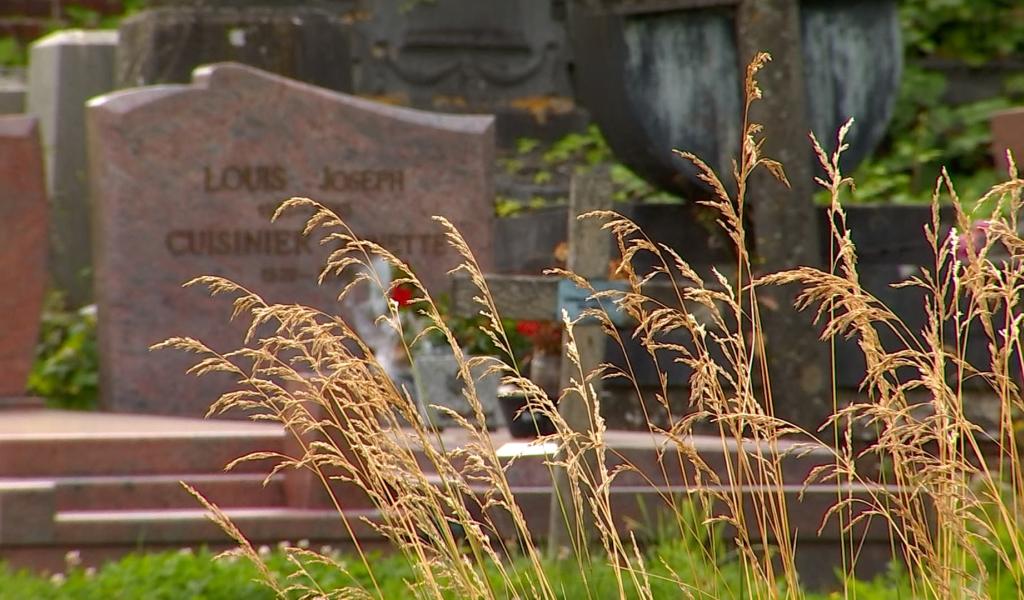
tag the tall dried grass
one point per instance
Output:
(452, 512)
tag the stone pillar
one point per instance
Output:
(784, 219)
(67, 69)
(300, 40)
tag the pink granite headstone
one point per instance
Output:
(186, 176)
(23, 241)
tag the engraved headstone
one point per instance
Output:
(22, 250)
(67, 68)
(185, 178)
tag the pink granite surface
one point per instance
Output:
(23, 213)
(184, 180)
(1008, 134)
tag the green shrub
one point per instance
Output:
(66, 369)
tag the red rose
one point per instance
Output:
(402, 295)
(528, 328)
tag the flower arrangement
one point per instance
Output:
(467, 330)
(545, 336)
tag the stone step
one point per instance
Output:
(193, 526)
(127, 453)
(153, 492)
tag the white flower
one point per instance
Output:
(73, 559)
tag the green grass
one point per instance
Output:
(197, 575)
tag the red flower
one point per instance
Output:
(544, 335)
(527, 328)
(402, 295)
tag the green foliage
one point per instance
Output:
(971, 30)
(184, 575)
(13, 53)
(542, 164)
(194, 575)
(66, 369)
(470, 334)
(927, 134)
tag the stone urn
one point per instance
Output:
(663, 75)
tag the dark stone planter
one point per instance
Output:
(667, 76)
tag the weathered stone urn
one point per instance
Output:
(659, 75)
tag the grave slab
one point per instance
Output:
(67, 68)
(22, 249)
(186, 176)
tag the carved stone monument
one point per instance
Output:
(509, 58)
(185, 178)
